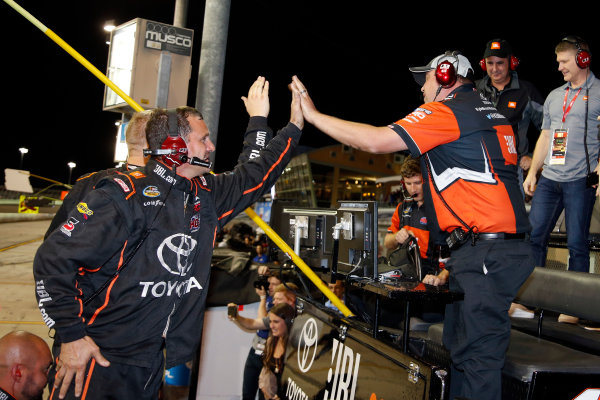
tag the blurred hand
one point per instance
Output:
(231, 318)
(529, 184)
(437, 280)
(263, 270)
(402, 235)
(257, 103)
(74, 357)
(525, 163)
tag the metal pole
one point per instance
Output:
(180, 16)
(212, 64)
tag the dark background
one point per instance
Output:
(352, 56)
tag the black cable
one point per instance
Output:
(587, 96)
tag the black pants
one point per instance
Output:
(118, 381)
(251, 372)
(477, 328)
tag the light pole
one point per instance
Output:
(23, 151)
(71, 165)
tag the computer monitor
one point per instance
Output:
(308, 231)
(356, 232)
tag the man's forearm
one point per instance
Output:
(390, 242)
(249, 323)
(361, 136)
(262, 307)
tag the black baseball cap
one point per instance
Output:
(497, 48)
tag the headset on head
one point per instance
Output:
(174, 143)
(583, 58)
(513, 61)
(497, 44)
(445, 72)
(173, 151)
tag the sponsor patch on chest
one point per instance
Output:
(151, 191)
(68, 227)
(122, 184)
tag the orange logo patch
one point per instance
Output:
(137, 174)
(495, 46)
(512, 104)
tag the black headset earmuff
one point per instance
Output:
(177, 147)
(583, 58)
(445, 72)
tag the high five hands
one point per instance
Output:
(308, 107)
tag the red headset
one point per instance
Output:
(445, 72)
(513, 61)
(175, 147)
(583, 58)
(173, 151)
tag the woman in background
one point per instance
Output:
(281, 317)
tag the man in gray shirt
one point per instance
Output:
(567, 149)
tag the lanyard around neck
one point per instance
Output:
(566, 109)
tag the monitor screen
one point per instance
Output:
(357, 239)
(308, 231)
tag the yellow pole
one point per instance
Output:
(66, 47)
(249, 211)
(93, 70)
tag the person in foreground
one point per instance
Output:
(125, 277)
(24, 363)
(469, 161)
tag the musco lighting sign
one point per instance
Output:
(168, 38)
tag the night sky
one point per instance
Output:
(352, 56)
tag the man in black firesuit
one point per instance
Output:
(126, 276)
